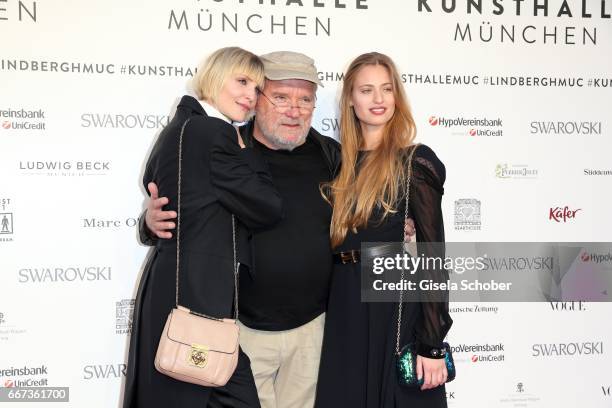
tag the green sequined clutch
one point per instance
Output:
(406, 366)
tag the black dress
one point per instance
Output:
(218, 179)
(357, 361)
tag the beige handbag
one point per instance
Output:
(196, 348)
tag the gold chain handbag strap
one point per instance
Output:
(401, 298)
(178, 234)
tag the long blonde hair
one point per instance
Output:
(354, 196)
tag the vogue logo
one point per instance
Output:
(567, 306)
(567, 349)
(559, 214)
(127, 121)
(98, 371)
(566, 128)
(70, 274)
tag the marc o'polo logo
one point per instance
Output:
(107, 224)
(104, 371)
(65, 274)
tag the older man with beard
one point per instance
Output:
(282, 301)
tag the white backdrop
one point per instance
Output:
(86, 86)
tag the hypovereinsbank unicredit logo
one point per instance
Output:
(480, 352)
(22, 119)
(596, 258)
(24, 376)
(566, 128)
(469, 126)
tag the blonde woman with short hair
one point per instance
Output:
(220, 177)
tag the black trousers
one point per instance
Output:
(145, 387)
(158, 390)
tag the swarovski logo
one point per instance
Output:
(69, 274)
(129, 121)
(567, 349)
(99, 371)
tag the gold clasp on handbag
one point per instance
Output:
(198, 356)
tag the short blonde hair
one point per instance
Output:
(219, 65)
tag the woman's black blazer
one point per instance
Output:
(218, 179)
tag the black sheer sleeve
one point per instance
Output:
(426, 192)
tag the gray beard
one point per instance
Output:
(283, 144)
(278, 142)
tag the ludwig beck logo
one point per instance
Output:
(562, 214)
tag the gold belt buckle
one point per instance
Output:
(198, 356)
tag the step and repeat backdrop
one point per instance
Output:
(515, 97)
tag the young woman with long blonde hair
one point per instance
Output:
(377, 131)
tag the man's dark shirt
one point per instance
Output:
(292, 261)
